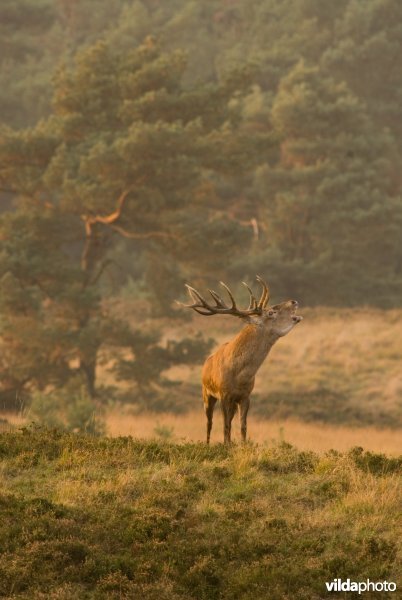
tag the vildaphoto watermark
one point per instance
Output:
(339, 585)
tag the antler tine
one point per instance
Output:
(201, 306)
(196, 296)
(265, 293)
(253, 302)
(233, 307)
(194, 307)
(219, 301)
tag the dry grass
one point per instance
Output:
(11, 420)
(356, 352)
(352, 352)
(305, 436)
(86, 517)
(318, 437)
(350, 355)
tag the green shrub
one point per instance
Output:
(69, 408)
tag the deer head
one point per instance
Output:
(286, 317)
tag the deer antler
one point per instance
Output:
(265, 293)
(201, 306)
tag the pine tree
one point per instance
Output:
(331, 215)
(127, 154)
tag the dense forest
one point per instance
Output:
(147, 143)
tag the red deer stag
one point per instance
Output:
(228, 375)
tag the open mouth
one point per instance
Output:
(295, 306)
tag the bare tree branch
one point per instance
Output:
(90, 220)
(110, 220)
(253, 223)
(143, 236)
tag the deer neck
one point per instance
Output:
(251, 347)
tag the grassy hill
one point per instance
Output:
(84, 517)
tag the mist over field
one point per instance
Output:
(145, 145)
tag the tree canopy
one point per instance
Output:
(127, 153)
(154, 142)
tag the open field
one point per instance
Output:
(316, 437)
(334, 382)
(341, 366)
(190, 427)
(95, 518)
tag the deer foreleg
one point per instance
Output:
(228, 412)
(209, 405)
(244, 406)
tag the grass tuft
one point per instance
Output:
(90, 517)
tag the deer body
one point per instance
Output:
(228, 375)
(229, 370)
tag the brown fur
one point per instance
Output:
(228, 375)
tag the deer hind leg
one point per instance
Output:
(229, 408)
(244, 406)
(209, 405)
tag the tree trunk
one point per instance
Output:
(88, 367)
